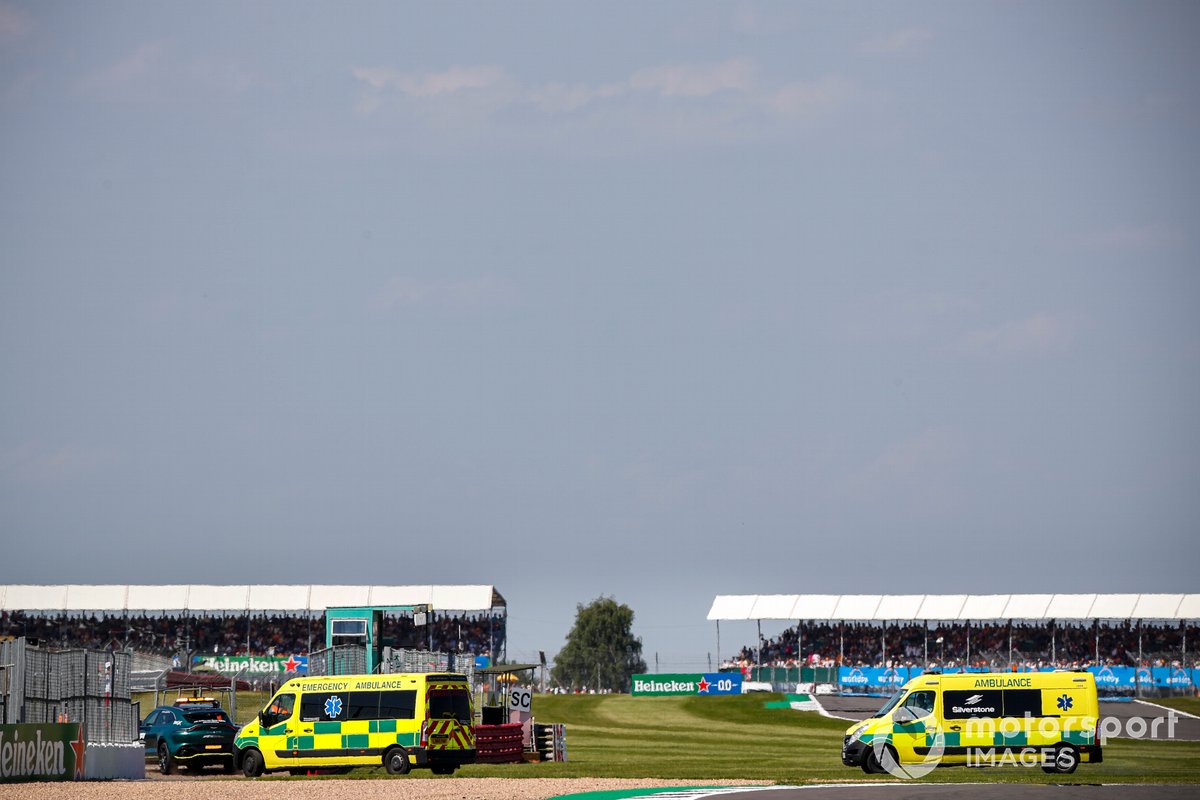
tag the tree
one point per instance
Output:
(601, 650)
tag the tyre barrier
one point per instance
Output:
(499, 744)
(550, 741)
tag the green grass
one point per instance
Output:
(1191, 705)
(705, 739)
(709, 738)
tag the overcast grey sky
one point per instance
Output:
(651, 300)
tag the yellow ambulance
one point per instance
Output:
(1046, 719)
(338, 722)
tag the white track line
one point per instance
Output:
(821, 710)
(1168, 708)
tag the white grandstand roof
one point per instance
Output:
(814, 606)
(901, 607)
(733, 606)
(1157, 606)
(857, 606)
(1114, 606)
(941, 606)
(102, 598)
(769, 606)
(1071, 606)
(1189, 608)
(207, 597)
(1027, 606)
(984, 606)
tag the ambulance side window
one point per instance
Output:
(398, 704)
(920, 703)
(362, 705)
(281, 707)
(312, 708)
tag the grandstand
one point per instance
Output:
(969, 631)
(181, 621)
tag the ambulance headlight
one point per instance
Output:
(857, 733)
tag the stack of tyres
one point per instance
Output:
(550, 740)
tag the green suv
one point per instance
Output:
(195, 734)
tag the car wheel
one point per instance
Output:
(1064, 762)
(870, 763)
(227, 767)
(252, 764)
(395, 761)
(166, 762)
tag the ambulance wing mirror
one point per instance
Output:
(903, 715)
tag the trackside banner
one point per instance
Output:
(52, 752)
(708, 683)
(1106, 677)
(231, 665)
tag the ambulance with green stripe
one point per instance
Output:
(396, 721)
(1046, 719)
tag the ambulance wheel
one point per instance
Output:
(871, 765)
(252, 764)
(395, 761)
(1064, 761)
(166, 763)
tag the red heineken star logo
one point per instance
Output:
(291, 664)
(703, 685)
(80, 747)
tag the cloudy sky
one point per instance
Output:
(657, 301)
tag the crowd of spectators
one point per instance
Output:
(864, 644)
(242, 634)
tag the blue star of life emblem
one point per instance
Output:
(333, 706)
(1065, 702)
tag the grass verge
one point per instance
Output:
(730, 738)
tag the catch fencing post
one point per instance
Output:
(1010, 644)
(758, 661)
(1138, 672)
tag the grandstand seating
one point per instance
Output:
(238, 634)
(860, 644)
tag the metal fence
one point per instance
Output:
(342, 659)
(84, 686)
(350, 659)
(401, 660)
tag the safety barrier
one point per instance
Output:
(783, 676)
(499, 744)
(110, 761)
(1110, 681)
(550, 740)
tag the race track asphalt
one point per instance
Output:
(971, 791)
